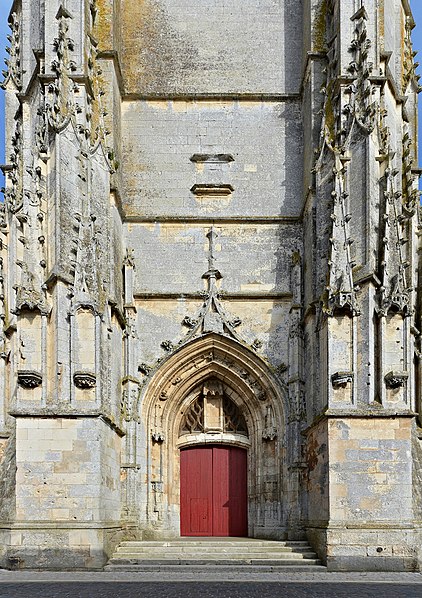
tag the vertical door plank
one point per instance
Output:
(196, 491)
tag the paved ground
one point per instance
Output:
(181, 589)
(205, 585)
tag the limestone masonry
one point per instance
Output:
(211, 237)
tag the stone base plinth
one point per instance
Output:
(62, 549)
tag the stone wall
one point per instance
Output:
(67, 492)
(371, 503)
(253, 146)
(182, 47)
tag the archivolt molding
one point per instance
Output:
(221, 358)
(236, 372)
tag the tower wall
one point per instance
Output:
(200, 194)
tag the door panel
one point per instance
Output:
(196, 492)
(238, 522)
(221, 491)
(213, 491)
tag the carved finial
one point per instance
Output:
(212, 274)
(129, 259)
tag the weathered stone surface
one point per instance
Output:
(210, 206)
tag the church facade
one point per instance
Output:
(210, 294)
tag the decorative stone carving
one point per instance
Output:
(394, 293)
(129, 259)
(411, 193)
(257, 344)
(68, 99)
(213, 387)
(29, 378)
(409, 66)
(212, 317)
(189, 322)
(129, 404)
(213, 412)
(2, 297)
(270, 430)
(88, 287)
(84, 380)
(341, 289)
(341, 379)
(361, 92)
(396, 379)
(3, 218)
(158, 437)
(27, 293)
(295, 329)
(13, 73)
(235, 322)
(144, 369)
(13, 193)
(60, 104)
(167, 346)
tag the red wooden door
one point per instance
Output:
(213, 491)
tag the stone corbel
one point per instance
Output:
(84, 380)
(396, 379)
(158, 437)
(341, 379)
(269, 434)
(29, 378)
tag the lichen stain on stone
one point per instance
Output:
(330, 119)
(155, 55)
(382, 20)
(103, 29)
(319, 30)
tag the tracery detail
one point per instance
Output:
(195, 418)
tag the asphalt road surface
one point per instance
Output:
(188, 589)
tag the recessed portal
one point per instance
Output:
(213, 491)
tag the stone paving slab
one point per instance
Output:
(202, 574)
(113, 589)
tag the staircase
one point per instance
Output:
(216, 553)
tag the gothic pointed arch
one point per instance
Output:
(215, 390)
(216, 357)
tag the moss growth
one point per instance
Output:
(320, 26)
(330, 120)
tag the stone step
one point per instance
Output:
(213, 562)
(214, 542)
(213, 556)
(211, 549)
(215, 569)
(217, 554)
